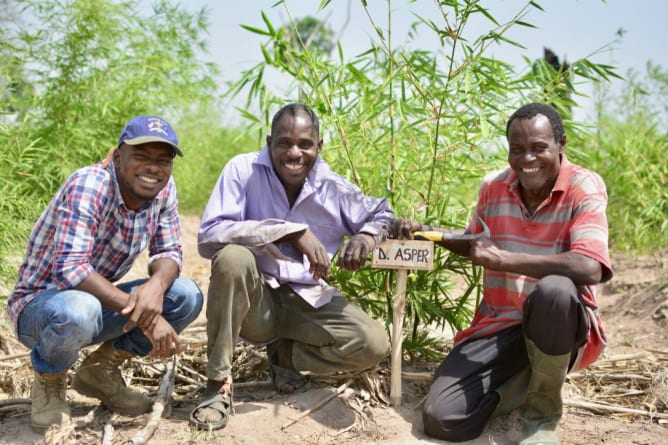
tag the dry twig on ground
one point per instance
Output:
(159, 406)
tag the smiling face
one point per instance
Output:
(142, 171)
(534, 155)
(294, 146)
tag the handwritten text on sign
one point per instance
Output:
(403, 254)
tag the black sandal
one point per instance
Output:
(221, 403)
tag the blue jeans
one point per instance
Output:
(57, 324)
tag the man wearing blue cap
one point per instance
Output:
(87, 238)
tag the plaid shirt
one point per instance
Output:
(86, 227)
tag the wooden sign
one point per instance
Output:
(403, 254)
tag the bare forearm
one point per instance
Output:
(579, 268)
(109, 295)
(164, 271)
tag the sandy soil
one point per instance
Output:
(634, 307)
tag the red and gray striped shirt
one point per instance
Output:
(571, 219)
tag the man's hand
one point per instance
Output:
(484, 252)
(309, 244)
(144, 306)
(404, 228)
(164, 339)
(355, 250)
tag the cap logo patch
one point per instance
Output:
(156, 125)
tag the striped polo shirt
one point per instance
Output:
(571, 219)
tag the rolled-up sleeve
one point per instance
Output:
(366, 214)
(589, 226)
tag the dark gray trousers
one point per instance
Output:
(462, 396)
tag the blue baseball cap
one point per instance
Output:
(144, 129)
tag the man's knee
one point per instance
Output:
(367, 346)
(232, 268)
(553, 290)
(183, 302)
(83, 310)
(232, 260)
(376, 346)
(554, 316)
(442, 424)
(187, 293)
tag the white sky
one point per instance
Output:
(571, 28)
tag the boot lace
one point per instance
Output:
(54, 388)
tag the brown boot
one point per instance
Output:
(48, 401)
(99, 376)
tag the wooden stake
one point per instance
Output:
(160, 404)
(402, 256)
(398, 310)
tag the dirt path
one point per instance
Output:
(634, 307)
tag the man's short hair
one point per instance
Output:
(293, 110)
(530, 110)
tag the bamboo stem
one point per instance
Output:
(598, 407)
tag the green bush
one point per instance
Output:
(207, 147)
(629, 149)
(632, 158)
(84, 68)
(418, 127)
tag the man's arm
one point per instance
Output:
(580, 268)
(370, 220)
(145, 304)
(109, 295)
(224, 219)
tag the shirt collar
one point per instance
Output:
(118, 197)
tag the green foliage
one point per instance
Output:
(207, 147)
(98, 63)
(90, 66)
(418, 127)
(17, 211)
(630, 151)
(311, 33)
(634, 164)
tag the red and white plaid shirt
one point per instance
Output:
(86, 227)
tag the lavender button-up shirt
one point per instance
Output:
(249, 207)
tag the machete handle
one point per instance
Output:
(436, 236)
(431, 235)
